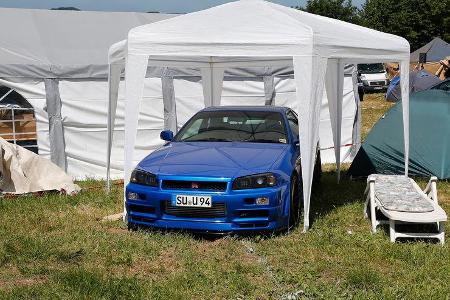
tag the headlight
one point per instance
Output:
(143, 178)
(255, 181)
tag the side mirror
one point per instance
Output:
(166, 135)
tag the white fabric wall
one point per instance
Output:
(286, 97)
(84, 113)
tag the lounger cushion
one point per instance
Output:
(397, 193)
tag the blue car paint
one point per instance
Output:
(218, 162)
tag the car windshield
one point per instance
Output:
(234, 126)
(370, 68)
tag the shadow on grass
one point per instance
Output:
(328, 194)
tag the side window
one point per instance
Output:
(293, 123)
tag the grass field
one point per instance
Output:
(57, 247)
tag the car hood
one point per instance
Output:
(215, 159)
(374, 76)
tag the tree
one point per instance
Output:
(419, 21)
(66, 8)
(337, 9)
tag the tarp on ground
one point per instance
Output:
(436, 50)
(382, 151)
(418, 81)
(22, 172)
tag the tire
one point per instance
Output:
(294, 202)
(132, 227)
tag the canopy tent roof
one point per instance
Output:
(55, 43)
(256, 33)
(436, 50)
(262, 29)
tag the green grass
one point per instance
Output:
(56, 247)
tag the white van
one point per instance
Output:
(373, 77)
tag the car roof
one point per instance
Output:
(267, 108)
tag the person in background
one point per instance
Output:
(444, 70)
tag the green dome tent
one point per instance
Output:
(382, 151)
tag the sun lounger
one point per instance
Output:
(401, 201)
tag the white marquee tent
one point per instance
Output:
(259, 34)
(57, 60)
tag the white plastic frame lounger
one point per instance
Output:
(401, 200)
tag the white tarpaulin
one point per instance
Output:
(22, 171)
(255, 33)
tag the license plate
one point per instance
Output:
(193, 201)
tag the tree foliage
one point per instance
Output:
(66, 8)
(336, 9)
(419, 21)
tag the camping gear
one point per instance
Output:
(401, 201)
(235, 35)
(382, 151)
(435, 50)
(23, 171)
(418, 81)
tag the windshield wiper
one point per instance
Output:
(264, 141)
(208, 140)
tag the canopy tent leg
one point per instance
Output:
(356, 136)
(269, 89)
(309, 74)
(115, 71)
(212, 82)
(334, 85)
(404, 83)
(56, 128)
(136, 69)
(170, 110)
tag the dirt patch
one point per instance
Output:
(20, 282)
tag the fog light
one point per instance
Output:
(262, 201)
(133, 196)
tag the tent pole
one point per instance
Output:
(404, 83)
(113, 89)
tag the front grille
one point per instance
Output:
(377, 83)
(218, 210)
(141, 209)
(194, 185)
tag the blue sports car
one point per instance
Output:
(229, 169)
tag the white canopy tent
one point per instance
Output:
(56, 60)
(259, 34)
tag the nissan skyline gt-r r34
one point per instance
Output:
(229, 169)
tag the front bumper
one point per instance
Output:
(375, 85)
(238, 210)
